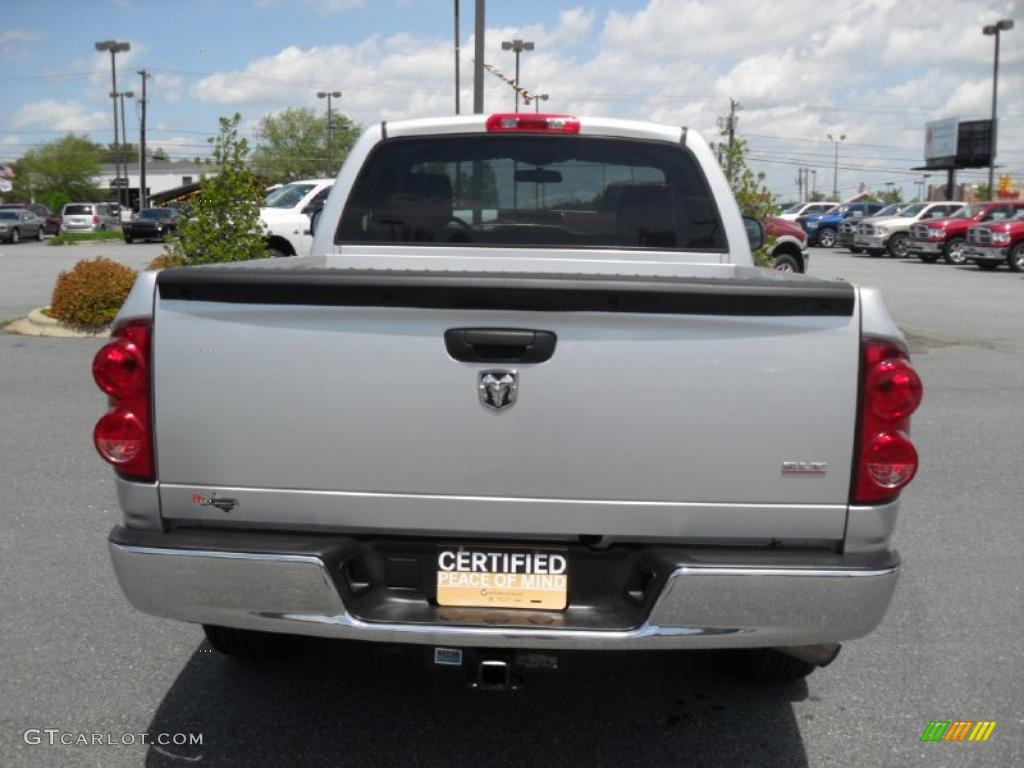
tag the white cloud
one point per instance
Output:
(876, 71)
(15, 42)
(60, 116)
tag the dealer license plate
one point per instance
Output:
(502, 577)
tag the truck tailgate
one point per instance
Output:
(327, 398)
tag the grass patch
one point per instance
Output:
(68, 238)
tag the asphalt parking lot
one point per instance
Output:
(77, 658)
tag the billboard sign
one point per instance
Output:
(940, 138)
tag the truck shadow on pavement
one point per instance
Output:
(353, 704)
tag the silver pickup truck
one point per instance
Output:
(524, 394)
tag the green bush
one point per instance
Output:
(223, 221)
(91, 293)
(69, 238)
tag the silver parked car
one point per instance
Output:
(88, 217)
(20, 224)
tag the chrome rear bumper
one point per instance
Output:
(712, 599)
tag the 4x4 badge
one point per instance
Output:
(498, 389)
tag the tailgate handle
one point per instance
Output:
(499, 345)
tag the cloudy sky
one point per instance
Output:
(874, 70)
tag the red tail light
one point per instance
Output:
(890, 392)
(124, 435)
(515, 122)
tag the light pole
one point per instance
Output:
(124, 140)
(814, 183)
(115, 48)
(927, 192)
(330, 127)
(1003, 25)
(538, 99)
(517, 47)
(835, 167)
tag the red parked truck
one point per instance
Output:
(991, 244)
(790, 249)
(947, 238)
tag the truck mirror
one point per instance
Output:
(755, 232)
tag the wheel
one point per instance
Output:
(953, 253)
(898, 246)
(15, 237)
(770, 666)
(855, 249)
(248, 643)
(277, 253)
(786, 263)
(128, 239)
(39, 235)
(988, 266)
(1016, 258)
(827, 238)
(928, 258)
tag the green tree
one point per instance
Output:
(61, 171)
(128, 153)
(293, 145)
(223, 221)
(817, 196)
(891, 195)
(749, 189)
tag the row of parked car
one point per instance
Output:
(987, 234)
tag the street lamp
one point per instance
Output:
(1003, 25)
(538, 99)
(835, 172)
(115, 48)
(517, 47)
(124, 141)
(330, 127)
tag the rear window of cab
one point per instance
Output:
(532, 190)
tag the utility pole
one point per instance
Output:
(115, 48)
(733, 106)
(120, 154)
(478, 61)
(800, 184)
(835, 172)
(143, 197)
(456, 57)
(330, 126)
(1003, 25)
(814, 182)
(517, 47)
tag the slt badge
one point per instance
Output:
(498, 389)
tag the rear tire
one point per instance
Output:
(827, 238)
(129, 240)
(39, 235)
(15, 237)
(248, 643)
(767, 665)
(1016, 258)
(953, 253)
